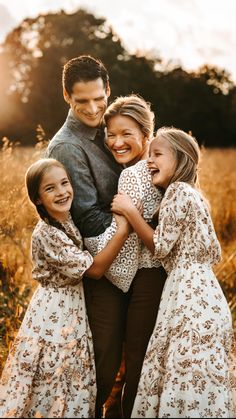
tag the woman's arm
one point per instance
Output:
(103, 260)
(123, 204)
(124, 267)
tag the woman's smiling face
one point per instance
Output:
(125, 139)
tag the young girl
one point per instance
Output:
(50, 370)
(188, 367)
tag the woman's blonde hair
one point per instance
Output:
(135, 107)
(187, 152)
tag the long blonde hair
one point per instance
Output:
(187, 152)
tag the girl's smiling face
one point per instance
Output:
(125, 139)
(56, 193)
(162, 162)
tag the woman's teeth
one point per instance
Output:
(121, 151)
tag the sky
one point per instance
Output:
(188, 32)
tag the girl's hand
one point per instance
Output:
(139, 206)
(122, 223)
(122, 203)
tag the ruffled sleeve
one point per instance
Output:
(125, 266)
(173, 213)
(54, 251)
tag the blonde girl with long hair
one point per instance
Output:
(189, 366)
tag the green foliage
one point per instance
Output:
(34, 53)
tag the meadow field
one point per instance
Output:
(18, 217)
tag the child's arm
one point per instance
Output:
(123, 204)
(103, 260)
(124, 267)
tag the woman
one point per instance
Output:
(129, 124)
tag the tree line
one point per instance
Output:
(31, 61)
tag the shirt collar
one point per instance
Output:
(76, 125)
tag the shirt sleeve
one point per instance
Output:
(62, 256)
(125, 266)
(123, 269)
(87, 212)
(129, 183)
(173, 212)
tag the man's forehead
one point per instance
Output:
(88, 87)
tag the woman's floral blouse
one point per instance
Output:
(136, 182)
(189, 367)
(50, 371)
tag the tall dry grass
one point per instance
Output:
(218, 182)
(18, 217)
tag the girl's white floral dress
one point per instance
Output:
(189, 367)
(50, 370)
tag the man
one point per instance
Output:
(79, 145)
(112, 313)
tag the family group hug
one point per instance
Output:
(123, 254)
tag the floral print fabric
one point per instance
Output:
(136, 182)
(189, 366)
(50, 370)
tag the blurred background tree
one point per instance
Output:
(31, 62)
